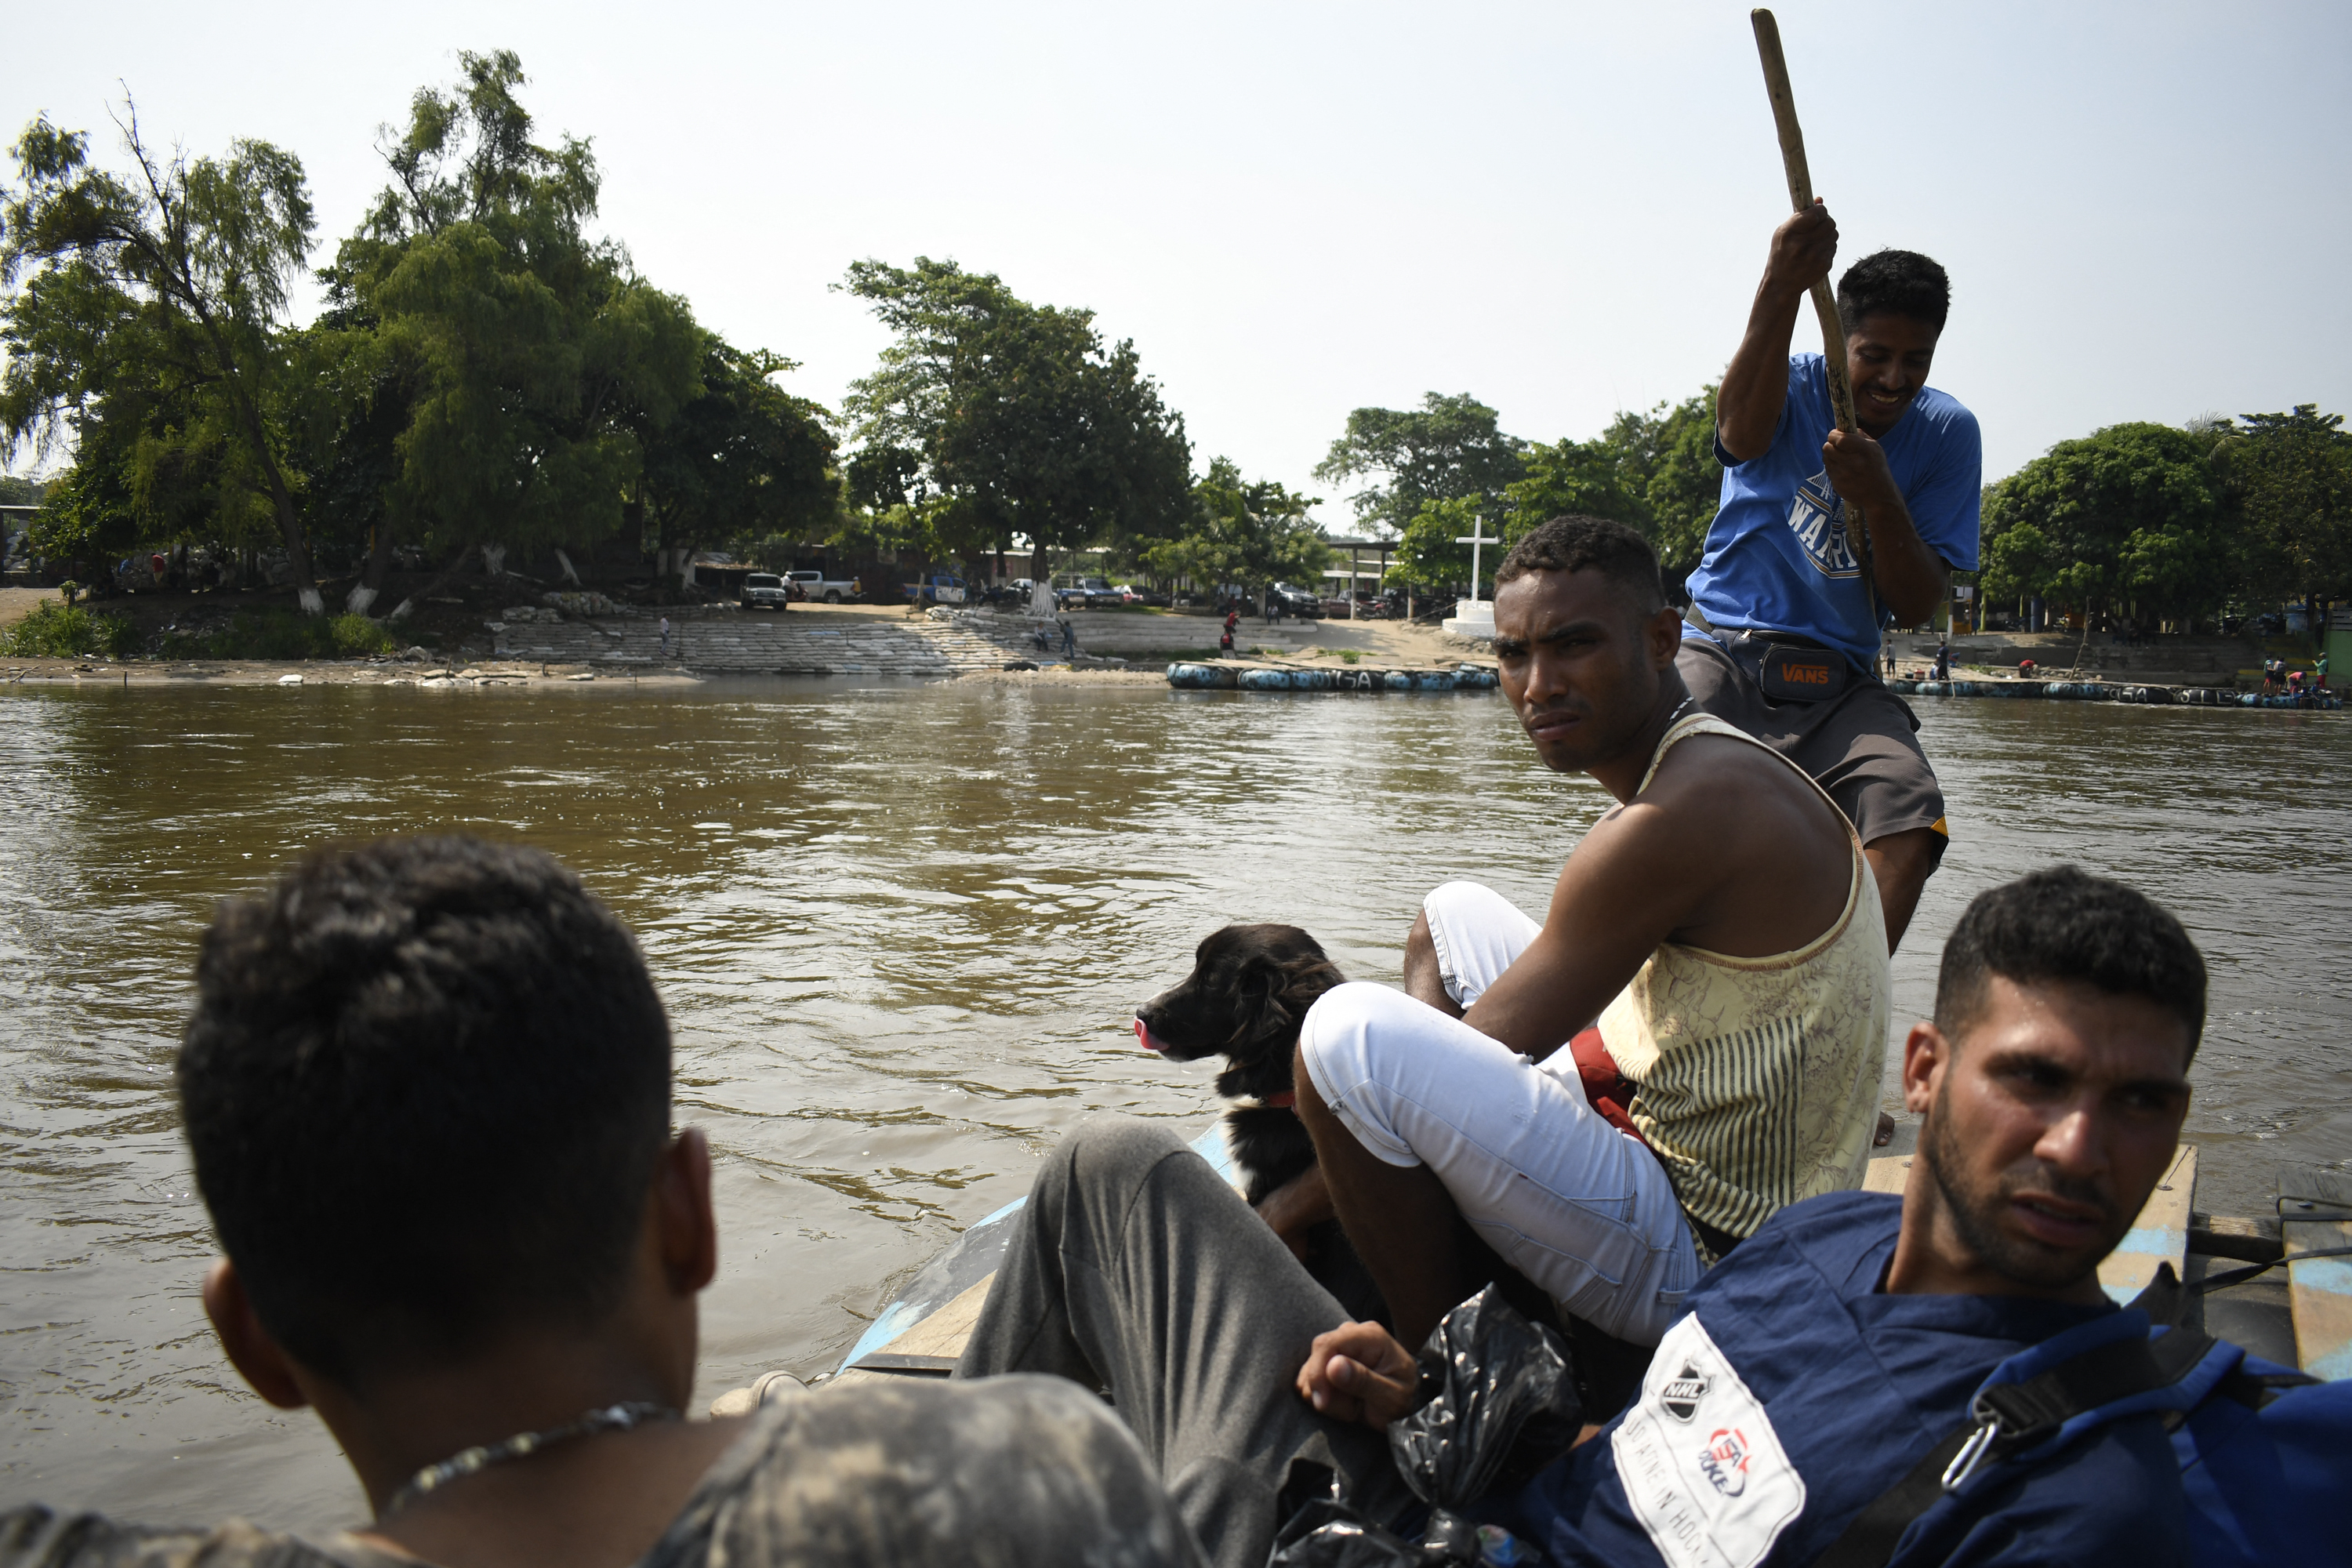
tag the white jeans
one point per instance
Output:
(1579, 1208)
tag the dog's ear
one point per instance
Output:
(1276, 993)
(1264, 1013)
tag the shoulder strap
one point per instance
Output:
(2007, 1420)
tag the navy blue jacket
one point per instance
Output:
(1794, 1392)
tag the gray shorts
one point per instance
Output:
(1860, 745)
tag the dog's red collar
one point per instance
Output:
(1287, 1100)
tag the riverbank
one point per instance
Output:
(2015, 687)
(505, 673)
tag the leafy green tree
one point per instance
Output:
(1598, 479)
(2291, 476)
(1448, 450)
(1672, 449)
(152, 306)
(1251, 535)
(742, 460)
(534, 353)
(2133, 512)
(1656, 472)
(1427, 555)
(1018, 413)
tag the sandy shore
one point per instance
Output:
(485, 672)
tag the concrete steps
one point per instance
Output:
(1127, 634)
(751, 643)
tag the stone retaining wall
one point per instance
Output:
(762, 643)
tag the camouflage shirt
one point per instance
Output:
(1004, 1471)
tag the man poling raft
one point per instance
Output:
(1842, 511)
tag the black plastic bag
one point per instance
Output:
(1498, 1402)
(1331, 1533)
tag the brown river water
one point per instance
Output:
(899, 930)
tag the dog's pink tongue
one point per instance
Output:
(1145, 1038)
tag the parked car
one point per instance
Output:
(817, 586)
(1299, 601)
(1131, 593)
(1085, 593)
(766, 591)
(938, 588)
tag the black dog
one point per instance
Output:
(1249, 993)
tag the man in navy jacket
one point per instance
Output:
(1812, 1370)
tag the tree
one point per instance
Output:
(1654, 472)
(534, 353)
(742, 460)
(2291, 476)
(2131, 512)
(1249, 535)
(1448, 450)
(1681, 483)
(152, 307)
(1427, 554)
(1017, 414)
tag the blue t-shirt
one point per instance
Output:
(1778, 558)
(1792, 1393)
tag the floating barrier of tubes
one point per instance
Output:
(2107, 692)
(1189, 676)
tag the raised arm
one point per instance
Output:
(1910, 575)
(1629, 886)
(1756, 385)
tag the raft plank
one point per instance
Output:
(2315, 1211)
(1887, 1174)
(943, 1330)
(944, 1333)
(2160, 1234)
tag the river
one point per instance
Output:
(899, 931)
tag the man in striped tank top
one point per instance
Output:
(1714, 960)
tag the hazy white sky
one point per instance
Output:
(1295, 210)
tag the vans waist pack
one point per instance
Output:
(1803, 674)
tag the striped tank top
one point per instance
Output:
(1758, 1078)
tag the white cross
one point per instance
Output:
(1473, 538)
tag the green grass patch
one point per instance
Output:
(283, 634)
(68, 631)
(1351, 655)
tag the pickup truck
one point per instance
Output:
(817, 586)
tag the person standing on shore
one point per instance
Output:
(1782, 625)
(664, 636)
(1944, 658)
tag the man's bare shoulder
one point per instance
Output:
(1703, 773)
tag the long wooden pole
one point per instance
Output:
(1801, 197)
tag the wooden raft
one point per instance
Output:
(2315, 1212)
